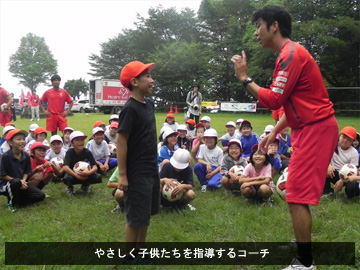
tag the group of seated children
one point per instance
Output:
(239, 148)
(26, 165)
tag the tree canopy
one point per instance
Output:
(33, 62)
(76, 87)
(188, 47)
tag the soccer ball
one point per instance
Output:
(58, 162)
(167, 193)
(237, 169)
(346, 171)
(281, 185)
(3, 108)
(81, 166)
(112, 149)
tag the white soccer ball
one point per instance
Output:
(81, 166)
(3, 108)
(167, 193)
(281, 185)
(237, 169)
(58, 162)
(112, 149)
(346, 171)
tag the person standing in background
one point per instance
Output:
(33, 103)
(194, 100)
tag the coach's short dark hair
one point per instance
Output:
(55, 78)
(274, 13)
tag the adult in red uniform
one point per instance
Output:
(298, 87)
(5, 97)
(55, 113)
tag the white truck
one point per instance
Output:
(107, 96)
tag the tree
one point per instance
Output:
(33, 63)
(76, 87)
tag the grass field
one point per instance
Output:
(218, 218)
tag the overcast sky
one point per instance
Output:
(72, 30)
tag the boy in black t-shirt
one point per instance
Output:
(74, 155)
(137, 160)
(15, 170)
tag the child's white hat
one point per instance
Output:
(230, 124)
(77, 134)
(239, 121)
(56, 138)
(7, 128)
(181, 127)
(96, 130)
(168, 132)
(206, 118)
(210, 133)
(269, 128)
(32, 127)
(181, 159)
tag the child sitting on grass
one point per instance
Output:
(66, 137)
(178, 169)
(168, 148)
(230, 127)
(77, 153)
(170, 122)
(209, 158)
(182, 140)
(256, 180)
(117, 193)
(99, 148)
(15, 168)
(43, 170)
(229, 180)
(247, 138)
(40, 136)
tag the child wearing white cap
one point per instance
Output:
(230, 127)
(182, 139)
(66, 137)
(206, 121)
(4, 146)
(168, 148)
(209, 157)
(230, 180)
(100, 150)
(31, 135)
(75, 154)
(178, 169)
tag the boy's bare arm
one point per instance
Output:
(122, 140)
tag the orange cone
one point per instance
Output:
(171, 110)
(176, 110)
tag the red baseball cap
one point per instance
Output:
(132, 70)
(9, 124)
(350, 132)
(191, 122)
(40, 130)
(14, 132)
(98, 123)
(114, 124)
(37, 145)
(170, 115)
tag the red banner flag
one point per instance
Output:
(22, 97)
(28, 95)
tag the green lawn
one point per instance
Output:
(218, 218)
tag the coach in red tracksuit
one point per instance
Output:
(298, 87)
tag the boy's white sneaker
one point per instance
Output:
(192, 208)
(297, 265)
(203, 188)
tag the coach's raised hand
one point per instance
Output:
(240, 66)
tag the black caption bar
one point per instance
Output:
(177, 253)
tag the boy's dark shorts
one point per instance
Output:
(142, 199)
